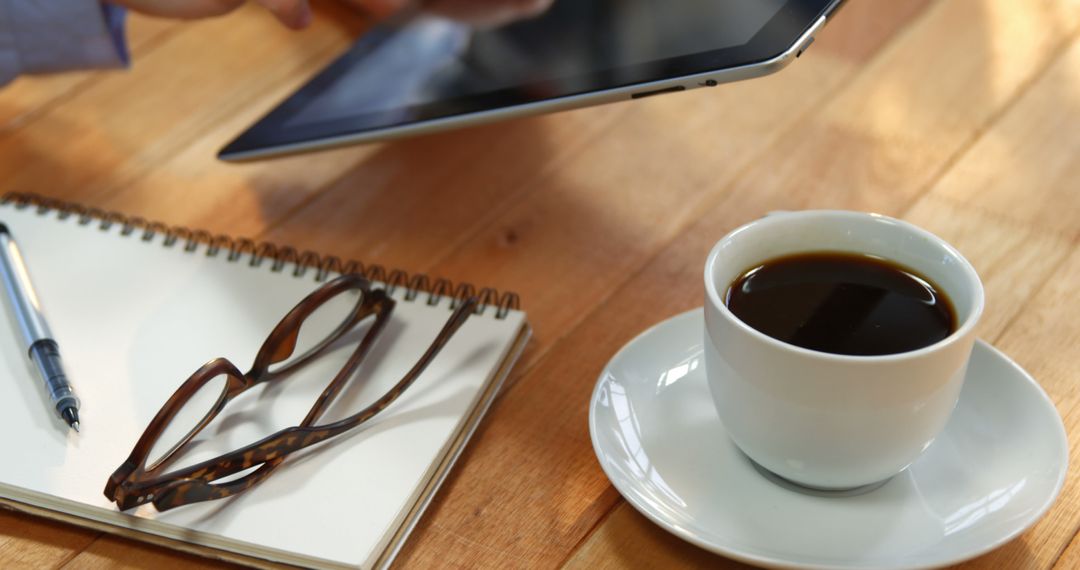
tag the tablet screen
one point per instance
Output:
(433, 66)
(433, 59)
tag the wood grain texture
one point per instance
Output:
(28, 542)
(960, 115)
(1032, 153)
(1048, 346)
(1027, 156)
(626, 539)
(907, 116)
(118, 553)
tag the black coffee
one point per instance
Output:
(842, 303)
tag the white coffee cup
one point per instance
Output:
(832, 421)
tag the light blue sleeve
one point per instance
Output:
(43, 36)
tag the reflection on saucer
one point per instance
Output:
(803, 489)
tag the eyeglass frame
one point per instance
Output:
(134, 483)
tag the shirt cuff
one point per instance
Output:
(114, 23)
(60, 35)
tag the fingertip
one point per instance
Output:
(303, 18)
(293, 14)
(380, 8)
(297, 20)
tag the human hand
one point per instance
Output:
(488, 12)
(296, 14)
(479, 12)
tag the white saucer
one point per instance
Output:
(995, 470)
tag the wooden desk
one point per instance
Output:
(962, 116)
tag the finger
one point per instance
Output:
(183, 9)
(487, 12)
(380, 8)
(295, 14)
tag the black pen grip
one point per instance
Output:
(46, 355)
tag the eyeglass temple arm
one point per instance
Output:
(382, 311)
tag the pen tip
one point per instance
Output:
(71, 416)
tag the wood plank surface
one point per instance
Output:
(962, 116)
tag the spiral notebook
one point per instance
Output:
(136, 308)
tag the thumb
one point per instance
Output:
(295, 14)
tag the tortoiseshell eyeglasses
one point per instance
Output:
(317, 322)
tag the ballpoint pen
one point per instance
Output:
(41, 347)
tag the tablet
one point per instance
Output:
(425, 72)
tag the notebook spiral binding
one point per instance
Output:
(278, 256)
